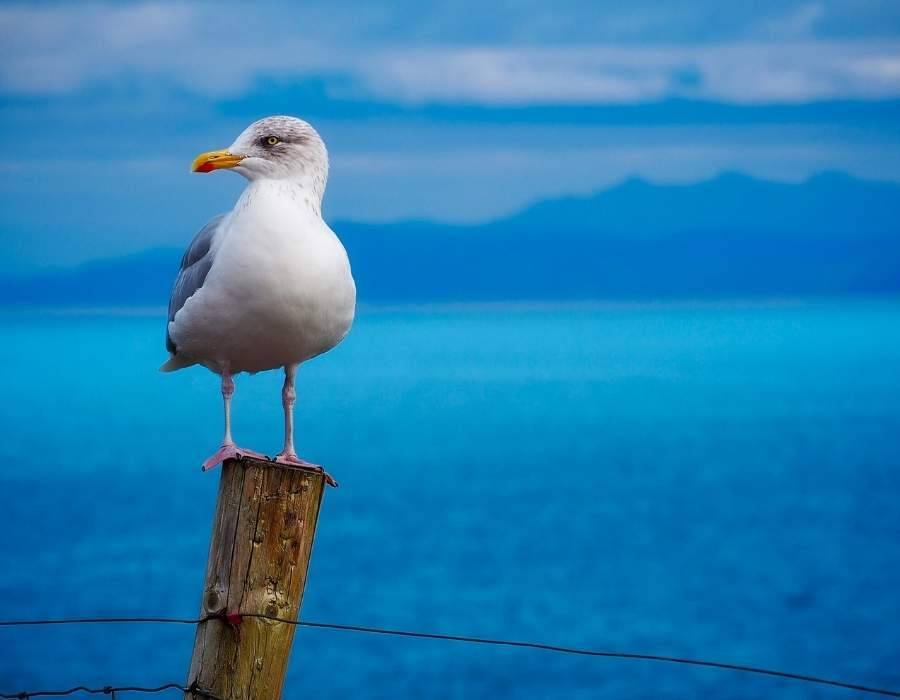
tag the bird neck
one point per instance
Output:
(304, 192)
(311, 182)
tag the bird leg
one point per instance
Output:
(288, 399)
(228, 449)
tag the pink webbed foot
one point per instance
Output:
(292, 458)
(228, 451)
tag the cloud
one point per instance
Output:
(210, 51)
(220, 51)
(795, 22)
(51, 49)
(739, 72)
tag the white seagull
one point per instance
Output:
(268, 284)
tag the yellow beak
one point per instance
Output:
(214, 160)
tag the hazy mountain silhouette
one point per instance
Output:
(729, 236)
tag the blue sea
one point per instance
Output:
(716, 481)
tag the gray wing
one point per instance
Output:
(195, 265)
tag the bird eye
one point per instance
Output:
(272, 140)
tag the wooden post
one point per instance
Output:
(262, 539)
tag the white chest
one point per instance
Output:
(280, 289)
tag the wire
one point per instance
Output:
(236, 619)
(111, 691)
(103, 620)
(590, 652)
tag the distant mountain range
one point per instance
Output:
(729, 236)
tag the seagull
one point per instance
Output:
(267, 285)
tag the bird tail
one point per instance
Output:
(176, 362)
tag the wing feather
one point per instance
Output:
(195, 266)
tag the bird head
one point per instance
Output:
(281, 148)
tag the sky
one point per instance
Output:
(461, 111)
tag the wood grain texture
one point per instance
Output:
(262, 539)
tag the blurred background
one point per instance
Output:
(625, 368)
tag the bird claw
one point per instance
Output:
(226, 452)
(292, 459)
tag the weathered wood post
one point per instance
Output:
(262, 538)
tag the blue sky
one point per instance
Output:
(459, 111)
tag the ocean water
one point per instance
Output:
(718, 481)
